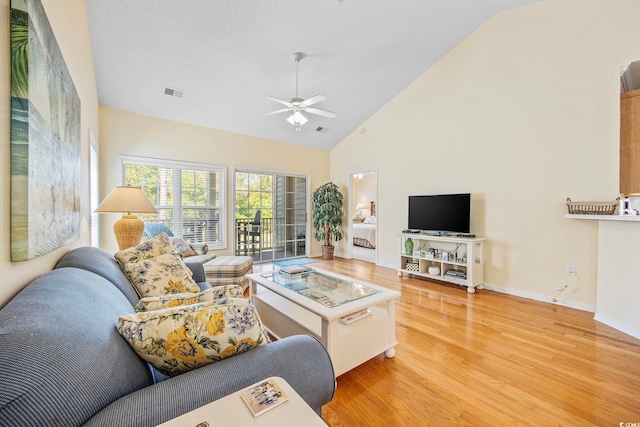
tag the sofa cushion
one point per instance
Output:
(61, 358)
(103, 264)
(168, 301)
(162, 275)
(177, 340)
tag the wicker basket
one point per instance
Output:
(592, 208)
(412, 266)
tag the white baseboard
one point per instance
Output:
(617, 325)
(335, 255)
(520, 293)
(391, 266)
(542, 298)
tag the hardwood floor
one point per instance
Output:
(487, 359)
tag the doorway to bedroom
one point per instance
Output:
(363, 206)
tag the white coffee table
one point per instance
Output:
(232, 411)
(317, 303)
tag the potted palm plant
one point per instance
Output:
(327, 211)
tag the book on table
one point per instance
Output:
(263, 396)
(294, 269)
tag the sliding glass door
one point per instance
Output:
(270, 215)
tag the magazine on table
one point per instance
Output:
(263, 396)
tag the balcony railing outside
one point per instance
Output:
(196, 230)
(252, 237)
(266, 244)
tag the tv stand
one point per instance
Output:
(429, 250)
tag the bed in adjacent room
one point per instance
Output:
(364, 234)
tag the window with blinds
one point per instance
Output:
(189, 197)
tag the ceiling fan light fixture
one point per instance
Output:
(297, 119)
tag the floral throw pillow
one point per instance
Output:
(151, 248)
(177, 340)
(162, 275)
(168, 301)
(182, 247)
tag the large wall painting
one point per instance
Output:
(45, 138)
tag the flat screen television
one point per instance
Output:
(442, 213)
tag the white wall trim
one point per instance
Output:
(538, 297)
(391, 266)
(635, 333)
(547, 299)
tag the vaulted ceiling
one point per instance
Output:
(227, 55)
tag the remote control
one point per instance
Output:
(347, 320)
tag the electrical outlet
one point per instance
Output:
(571, 270)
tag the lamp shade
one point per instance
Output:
(129, 228)
(126, 199)
(362, 205)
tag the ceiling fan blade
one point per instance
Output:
(276, 112)
(314, 100)
(324, 113)
(280, 101)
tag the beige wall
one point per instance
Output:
(124, 133)
(523, 114)
(68, 20)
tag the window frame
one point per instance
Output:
(123, 160)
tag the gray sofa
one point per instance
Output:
(62, 362)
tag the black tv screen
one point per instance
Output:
(443, 213)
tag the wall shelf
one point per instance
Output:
(629, 218)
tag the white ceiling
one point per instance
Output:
(227, 55)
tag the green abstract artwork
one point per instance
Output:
(45, 138)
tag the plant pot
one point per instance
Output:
(327, 252)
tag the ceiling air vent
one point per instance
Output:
(174, 92)
(322, 129)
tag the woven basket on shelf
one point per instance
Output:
(592, 208)
(412, 266)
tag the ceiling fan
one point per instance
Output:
(297, 106)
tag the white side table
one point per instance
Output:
(231, 410)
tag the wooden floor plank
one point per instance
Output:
(487, 359)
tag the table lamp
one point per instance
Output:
(127, 199)
(359, 207)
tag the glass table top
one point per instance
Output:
(327, 290)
